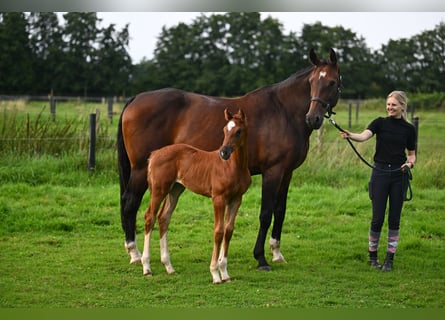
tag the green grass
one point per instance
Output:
(61, 243)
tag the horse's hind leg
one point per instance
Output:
(164, 218)
(131, 200)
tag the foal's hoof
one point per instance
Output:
(135, 260)
(148, 273)
(279, 259)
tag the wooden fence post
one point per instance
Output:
(349, 115)
(92, 149)
(415, 121)
(110, 109)
(52, 106)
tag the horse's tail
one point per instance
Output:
(122, 157)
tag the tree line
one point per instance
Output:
(220, 54)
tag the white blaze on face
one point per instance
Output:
(230, 125)
(322, 74)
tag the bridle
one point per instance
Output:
(326, 105)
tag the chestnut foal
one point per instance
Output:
(222, 175)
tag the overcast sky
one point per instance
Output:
(376, 27)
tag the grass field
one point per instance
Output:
(61, 243)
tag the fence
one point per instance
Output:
(353, 106)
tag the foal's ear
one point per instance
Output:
(241, 114)
(227, 114)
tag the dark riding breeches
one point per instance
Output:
(384, 186)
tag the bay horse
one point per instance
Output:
(222, 175)
(281, 117)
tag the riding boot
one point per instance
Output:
(373, 260)
(387, 266)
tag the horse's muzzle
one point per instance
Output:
(314, 122)
(225, 152)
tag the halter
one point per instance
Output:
(328, 107)
(325, 105)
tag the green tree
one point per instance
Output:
(112, 63)
(15, 55)
(48, 50)
(428, 65)
(355, 59)
(224, 54)
(80, 34)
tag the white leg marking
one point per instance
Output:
(146, 256)
(165, 255)
(215, 274)
(223, 269)
(132, 250)
(275, 247)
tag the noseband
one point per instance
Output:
(325, 105)
(328, 107)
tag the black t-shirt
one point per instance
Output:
(393, 136)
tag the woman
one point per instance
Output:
(394, 135)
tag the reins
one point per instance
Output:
(406, 185)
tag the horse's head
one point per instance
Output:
(235, 133)
(325, 82)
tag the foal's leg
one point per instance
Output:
(150, 218)
(164, 220)
(232, 210)
(218, 233)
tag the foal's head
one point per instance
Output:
(235, 133)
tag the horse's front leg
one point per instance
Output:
(232, 210)
(218, 234)
(270, 187)
(164, 218)
(279, 214)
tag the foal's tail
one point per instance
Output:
(122, 157)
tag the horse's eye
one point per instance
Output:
(332, 83)
(238, 133)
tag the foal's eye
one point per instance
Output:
(238, 133)
(332, 83)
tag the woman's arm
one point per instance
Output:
(411, 158)
(359, 137)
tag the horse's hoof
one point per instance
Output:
(263, 268)
(148, 274)
(226, 280)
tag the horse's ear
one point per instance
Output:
(227, 114)
(333, 57)
(313, 56)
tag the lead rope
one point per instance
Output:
(407, 175)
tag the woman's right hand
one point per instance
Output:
(345, 134)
